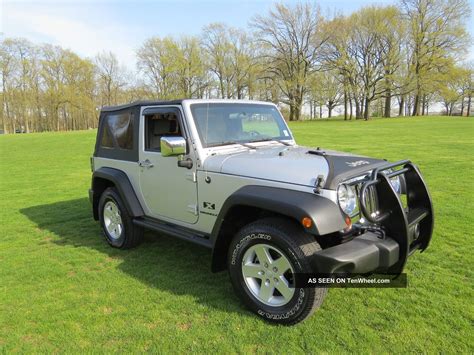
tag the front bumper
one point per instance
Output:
(364, 254)
(404, 229)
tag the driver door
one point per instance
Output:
(169, 191)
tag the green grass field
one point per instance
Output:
(62, 288)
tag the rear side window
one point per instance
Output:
(117, 131)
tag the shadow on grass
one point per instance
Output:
(162, 262)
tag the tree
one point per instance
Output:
(326, 89)
(7, 60)
(336, 57)
(467, 87)
(173, 68)
(191, 68)
(230, 59)
(392, 34)
(437, 33)
(292, 37)
(374, 48)
(216, 41)
(292, 57)
(453, 89)
(52, 73)
(243, 62)
(68, 89)
(111, 78)
(157, 60)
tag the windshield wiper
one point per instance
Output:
(230, 143)
(272, 139)
(248, 144)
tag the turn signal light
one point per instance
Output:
(348, 222)
(307, 222)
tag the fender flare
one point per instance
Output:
(123, 186)
(326, 215)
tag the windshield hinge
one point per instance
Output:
(319, 184)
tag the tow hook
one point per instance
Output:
(375, 229)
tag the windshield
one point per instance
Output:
(229, 123)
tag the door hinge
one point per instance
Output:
(193, 209)
(191, 176)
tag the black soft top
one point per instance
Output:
(141, 103)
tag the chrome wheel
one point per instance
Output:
(268, 275)
(112, 220)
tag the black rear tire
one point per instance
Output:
(129, 235)
(290, 240)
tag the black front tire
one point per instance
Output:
(130, 235)
(297, 246)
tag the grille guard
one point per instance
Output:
(397, 222)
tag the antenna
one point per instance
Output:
(207, 127)
(207, 121)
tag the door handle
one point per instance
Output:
(145, 164)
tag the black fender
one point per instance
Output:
(327, 217)
(123, 185)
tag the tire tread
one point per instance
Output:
(301, 243)
(134, 233)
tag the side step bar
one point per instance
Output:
(173, 231)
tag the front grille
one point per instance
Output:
(371, 201)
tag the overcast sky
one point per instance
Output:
(88, 27)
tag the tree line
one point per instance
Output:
(375, 61)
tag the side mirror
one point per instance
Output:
(172, 146)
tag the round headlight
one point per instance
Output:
(347, 199)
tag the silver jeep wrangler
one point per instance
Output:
(228, 175)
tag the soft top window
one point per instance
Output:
(117, 131)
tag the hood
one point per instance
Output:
(295, 165)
